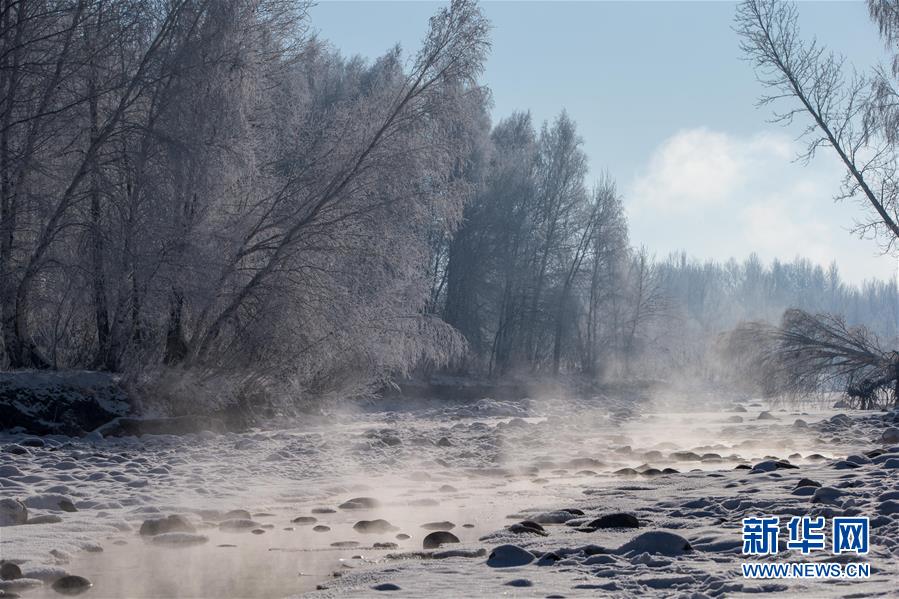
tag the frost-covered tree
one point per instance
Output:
(203, 185)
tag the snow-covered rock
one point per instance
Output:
(509, 556)
(12, 512)
(890, 435)
(657, 541)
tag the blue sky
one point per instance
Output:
(666, 106)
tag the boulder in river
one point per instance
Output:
(10, 571)
(173, 523)
(556, 517)
(374, 526)
(359, 503)
(72, 585)
(12, 512)
(616, 520)
(826, 495)
(438, 538)
(304, 520)
(657, 541)
(509, 556)
(528, 527)
(890, 435)
(237, 525)
(445, 525)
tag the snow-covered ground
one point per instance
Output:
(472, 469)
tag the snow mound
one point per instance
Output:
(658, 542)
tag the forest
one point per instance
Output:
(209, 188)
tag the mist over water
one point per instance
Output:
(475, 464)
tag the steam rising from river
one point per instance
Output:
(467, 463)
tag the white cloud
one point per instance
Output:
(693, 169)
(717, 195)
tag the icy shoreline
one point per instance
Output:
(472, 464)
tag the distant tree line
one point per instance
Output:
(708, 300)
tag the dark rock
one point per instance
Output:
(890, 435)
(12, 512)
(10, 571)
(386, 545)
(72, 585)
(626, 472)
(321, 528)
(807, 482)
(845, 465)
(659, 541)
(402, 537)
(304, 520)
(345, 544)
(616, 520)
(530, 524)
(438, 538)
(373, 526)
(509, 556)
(445, 525)
(828, 495)
(386, 586)
(519, 582)
(548, 559)
(173, 523)
(359, 503)
(237, 525)
(685, 456)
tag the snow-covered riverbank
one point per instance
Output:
(471, 469)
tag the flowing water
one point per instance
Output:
(421, 467)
